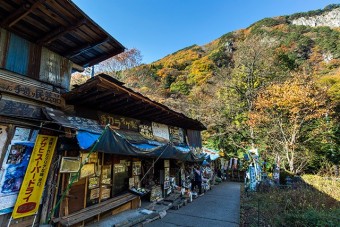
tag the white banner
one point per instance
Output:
(160, 130)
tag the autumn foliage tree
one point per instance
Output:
(284, 111)
(126, 60)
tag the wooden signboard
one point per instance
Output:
(12, 108)
(119, 122)
(146, 131)
(176, 135)
(32, 92)
(87, 170)
(160, 130)
(69, 165)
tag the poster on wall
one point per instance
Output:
(33, 183)
(161, 131)
(105, 193)
(69, 165)
(136, 168)
(21, 134)
(176, 135)
(14, 167)
(87, 170)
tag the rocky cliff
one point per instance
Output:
(330, 19)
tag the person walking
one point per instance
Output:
(197, 180)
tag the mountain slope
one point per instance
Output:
(224, 84)
(179, 76)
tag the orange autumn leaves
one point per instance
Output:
(296, 100)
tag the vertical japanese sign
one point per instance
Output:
(37, 171)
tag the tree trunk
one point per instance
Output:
(290, 158)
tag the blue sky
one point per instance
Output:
(160, 27)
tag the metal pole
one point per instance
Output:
(9, 222)
(35, 217)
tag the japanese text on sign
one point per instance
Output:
(33, 185)
(31, 92)
(119, 122)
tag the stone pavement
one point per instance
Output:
(218, 207)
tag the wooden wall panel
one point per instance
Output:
(77, 196)
(18, 55)
(55, 69)
(65, 73)
(50, 67)
(194, 138)
(34, 64)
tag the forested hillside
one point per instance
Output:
(274, 85)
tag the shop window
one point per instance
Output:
(18, 55)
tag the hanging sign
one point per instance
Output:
(34, 181)
(146, 131)
(20, 109)
(160, 130)
(119, 122)
(176, 135)
(32, 92)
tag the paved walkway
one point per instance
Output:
(219, 207)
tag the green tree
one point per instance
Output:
(286, 112)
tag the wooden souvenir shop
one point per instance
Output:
(100, 189)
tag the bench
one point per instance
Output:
(94, 210)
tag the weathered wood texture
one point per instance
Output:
(97, 209)
(60, 26)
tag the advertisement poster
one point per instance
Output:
(21, 134)
(34, 181)
(14, 167)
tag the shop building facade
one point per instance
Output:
(41, 43)
(132, 143)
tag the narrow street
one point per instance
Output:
(218, 207)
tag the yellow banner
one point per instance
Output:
(34, 181)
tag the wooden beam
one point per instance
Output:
(60, 31)
(76, 99)
(20, 13)
(134, 103)
(77, 51)
(116, 100)
(78, 67)
(124, 105)
(141, 97)
(96, 97)
(155, 114)
(142, 113)
(137, 110)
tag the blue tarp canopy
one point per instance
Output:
(86, 139)
(211, 154)
(119, 141)
(134, 144)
